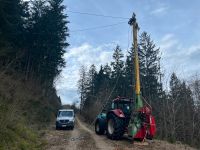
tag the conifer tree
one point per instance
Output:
(118, 63)
(149, 67)
(118, 72)
(107, 71)
(12, 17)
(129, 74)
(92, 73)
(82, 86)
(48, 27)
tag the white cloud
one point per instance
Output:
(86, 55)
(183, 60)
(160, 10)
(168, 41)
(193, 49)
(178, 58)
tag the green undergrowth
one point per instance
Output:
(26, 108)
(18, 136)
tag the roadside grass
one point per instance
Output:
(25, 109)
(18, 136)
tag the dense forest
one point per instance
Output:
(33, 38)
(32, 44)
(176, 107)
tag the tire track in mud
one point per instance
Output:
(100, 141)
(84, 138)
(77, 139)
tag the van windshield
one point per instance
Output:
(66, 114)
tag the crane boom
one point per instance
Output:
(135, 26)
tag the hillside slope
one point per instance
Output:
(25, 107)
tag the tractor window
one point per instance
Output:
(113, 106)
(125, 107)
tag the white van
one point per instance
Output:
(65, 119)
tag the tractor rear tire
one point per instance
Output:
(115, 127)
(98, 128)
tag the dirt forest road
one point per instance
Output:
(84, 138)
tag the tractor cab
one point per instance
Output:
(123, 104)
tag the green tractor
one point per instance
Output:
(128, 115)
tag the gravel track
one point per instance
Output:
(84, 138)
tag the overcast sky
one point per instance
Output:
(173, 25)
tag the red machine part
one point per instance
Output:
(148, 129)
(152, 126)
(141, 134)
(119, 113)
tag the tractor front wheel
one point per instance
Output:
(99, 128)
(115, 127)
